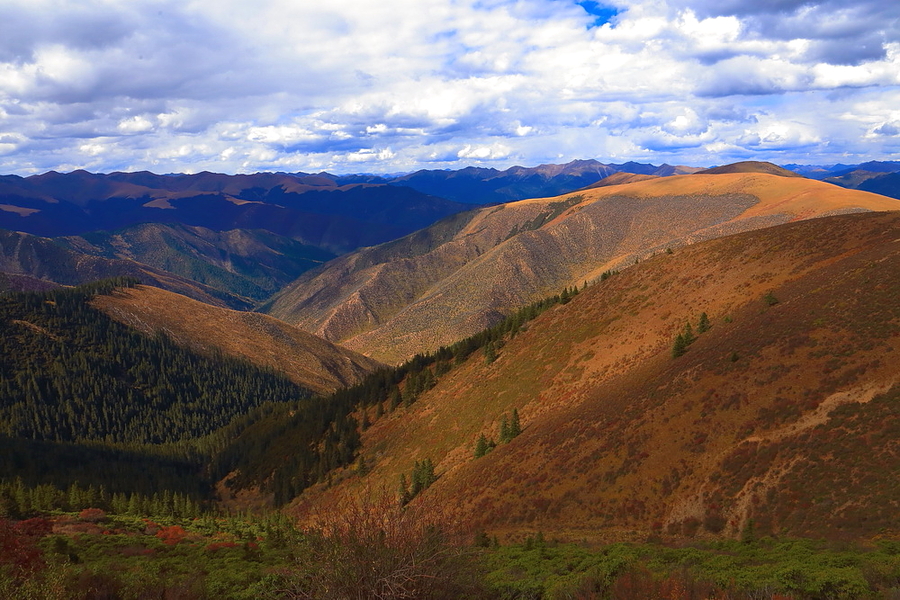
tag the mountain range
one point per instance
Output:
(782, 416)
(685, 352)
(463, 274)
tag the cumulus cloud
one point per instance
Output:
(282, 85)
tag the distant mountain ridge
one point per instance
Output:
(313, 209)
(238, 239)
(882, 178)
(474, 185)
(840, 169)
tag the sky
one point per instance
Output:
(390, 86)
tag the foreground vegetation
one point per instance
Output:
(375, 548)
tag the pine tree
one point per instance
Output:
(395, 399)
(504, 429)
(134, 505)
(515, 427)
(364, 420)
(428, 476)
(679, 347)
(703, 325)
(490, 353)
(417, 484)
(481, 446)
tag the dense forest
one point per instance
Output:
(69, 372)
(87, 400)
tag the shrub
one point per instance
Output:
(371, 547)
(92, 515)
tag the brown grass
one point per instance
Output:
(621, 441)
(392, 305)
(309, 361)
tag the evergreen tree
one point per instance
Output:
(703, 325)
(689, 337)
(504, 429)
(481, 446)
(364, 420)
(428, 476)
(395, 399)
(490, 353)
(417, 480)
(515, 427)
(679, 347)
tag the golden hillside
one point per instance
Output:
(459, 276)
(306, 359)
(783, 417)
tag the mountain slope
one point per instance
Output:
(308, 361)
(886, 184)
(252, 264)
(70, 373)
(620, 179)
(52, 262)
(454, 279)
(782, 418)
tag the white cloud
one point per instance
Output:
(492, 152)
(234, 86)
(136, 124)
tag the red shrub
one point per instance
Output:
(92, 515)
(18, 547)
(171, 535)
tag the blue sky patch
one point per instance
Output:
(602, 14)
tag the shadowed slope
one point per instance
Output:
(51, 262)
(390, 303)
(251, 264)
(306, 359)
(786, 412)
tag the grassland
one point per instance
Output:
(782, 414)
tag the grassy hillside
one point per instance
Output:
(308, 361)
(750, 166)
(782, 418)
(390, 302)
